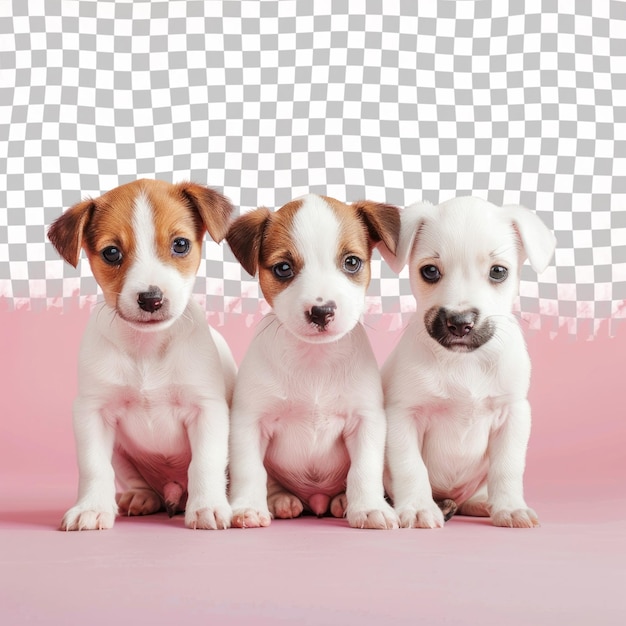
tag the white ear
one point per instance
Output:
(411, 219)
(537, 240)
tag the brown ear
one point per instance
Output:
(214, 208)
(66, 232)
(382, 221)
(245, 237)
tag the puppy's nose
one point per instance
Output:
(460, 323)
(150, 301)
(321, 315)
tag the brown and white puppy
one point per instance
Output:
(456, 385)
(154, 380)
(307, 421)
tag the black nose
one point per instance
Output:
(321, 315)
(150, 301)
(460, 323)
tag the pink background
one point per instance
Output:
(153, 570)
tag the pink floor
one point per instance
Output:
(154, 571)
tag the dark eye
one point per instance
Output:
(352, 264)
(181, 246)
(283, 271)
(112, 255)
(497, 273)
(430, 273)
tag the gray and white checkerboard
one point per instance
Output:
(389, 100)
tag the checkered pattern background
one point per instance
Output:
(518, 102)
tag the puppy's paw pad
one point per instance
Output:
(139, 502)
(251, 518)
(516, 518)
(378, 519)
(431, 517)
(78, 518)
(339, 505)
(208, 518)
(284, 505)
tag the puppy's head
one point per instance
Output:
(144, 243)
(465, 258)
(313, 260)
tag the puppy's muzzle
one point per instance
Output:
(320, 316)
(150, 301)
(459, 331)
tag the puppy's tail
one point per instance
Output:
(172, 494)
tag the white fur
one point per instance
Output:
(459, 422)
(148, 270)
(153, 404)
(309, 405)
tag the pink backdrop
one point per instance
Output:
(316, 571)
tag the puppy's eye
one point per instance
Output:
(352, 264)
(498, 273)
(282, 271)
(430, 273)
(112, 255)
(181, 246)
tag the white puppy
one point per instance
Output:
(154, 380)
(456, 384)
(307, 421)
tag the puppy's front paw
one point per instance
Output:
(139, 502)
(284, 505)
(208, 517)
(427, 517)
(81, 517)
(251, 518)
(383, 518)
(516, 518)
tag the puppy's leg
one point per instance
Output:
(95, 508)
(280, 502)
(367, 507)
(248, 477)
(138, 498)
(410, 488)
(507, 459)
(207, 506)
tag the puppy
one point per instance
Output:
(456, 385)
(307, 421)
(154, 381)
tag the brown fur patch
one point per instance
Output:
(245, 235)
(278, 246)
(110, 224)
(66, 232)
(260, 239)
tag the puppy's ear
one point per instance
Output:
(411, 218)
(66, 232)
(214, 208)
(245, 236)
(537, 240)
(382, 222)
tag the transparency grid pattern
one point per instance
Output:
(394, 100)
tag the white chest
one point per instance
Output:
(455, 444)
